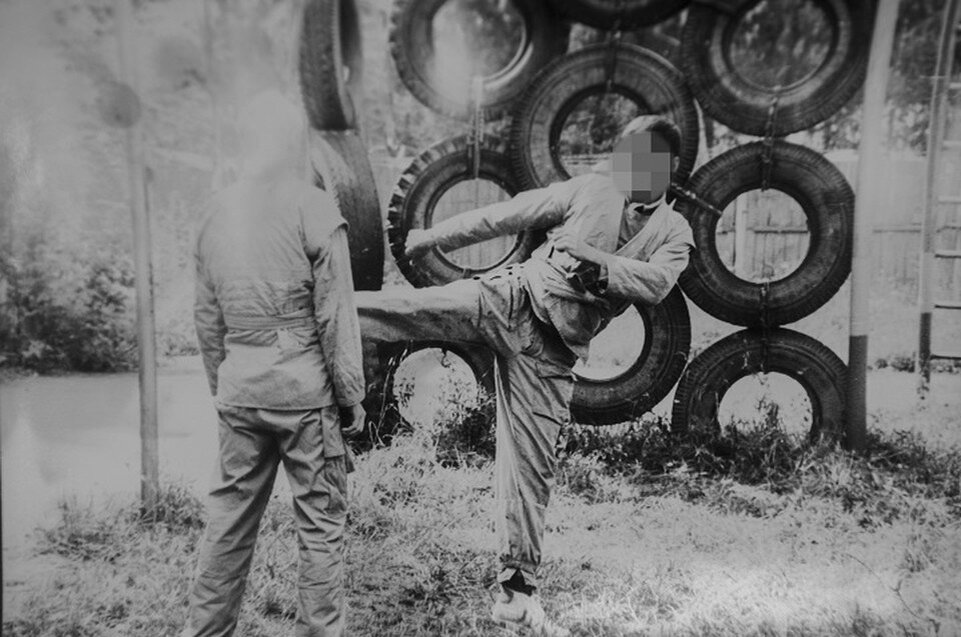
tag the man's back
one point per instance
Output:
(257, 255)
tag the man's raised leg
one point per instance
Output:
(440, 313)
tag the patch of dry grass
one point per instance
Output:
(747, 534)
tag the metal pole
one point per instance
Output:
(939, 104)
(146, 341)
(870, 154)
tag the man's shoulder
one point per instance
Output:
(320, 212)
(318, 199)
(592, 181)
(595, 188)
(680, 229)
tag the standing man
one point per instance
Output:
(279, 335)
(612, 240)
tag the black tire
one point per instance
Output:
(828, 202)
(381, 362)
(621, 14)
(330, 63)
(410, 45)
(341, 166)
(668, 47)
(705, 381)
(743, 105)
(421, 186)
(639, 75)
(650, 378)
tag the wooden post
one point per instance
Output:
(146, 339)
(869, 165)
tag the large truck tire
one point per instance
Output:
(640, 75)
(331, 63)
(620, 14)
(340, 165)
(381, 361)
(746, 106)
(828, 203)
(649, 378)
(411, 25)
(813, 365)
(420, 187)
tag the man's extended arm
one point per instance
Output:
(539, 208)
(210, 326)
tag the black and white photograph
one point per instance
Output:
(480, 318)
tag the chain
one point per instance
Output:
(475, 136)
(692, 197)
(610, 62)
(767, 156)
(767, 166)
(765, 325)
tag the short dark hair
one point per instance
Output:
(659, 124)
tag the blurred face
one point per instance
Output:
(263, 151)
(270, 130)
(641, 166)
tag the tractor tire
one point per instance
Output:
(418, 191)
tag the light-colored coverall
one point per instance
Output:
(537, 324)
(280, 340)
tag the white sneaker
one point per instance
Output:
(518, 609)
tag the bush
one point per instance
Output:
(466, 435)
(73, 312)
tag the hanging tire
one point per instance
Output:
(330, 63)
(341, 166)
(814, 366)
(620, 14)
(545, 38)
(420, 188)
(381, 361)
(653, 374)
(744, 105)
(668, 47)
(640, 75)
(826, 199)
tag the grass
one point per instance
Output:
(746, 532)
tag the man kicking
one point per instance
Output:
(612, 240)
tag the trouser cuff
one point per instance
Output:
(517, 579)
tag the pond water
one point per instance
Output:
(79, 437)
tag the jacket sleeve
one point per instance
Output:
(334, 307)
(538, 208)
(650, 281)
(209, 323)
